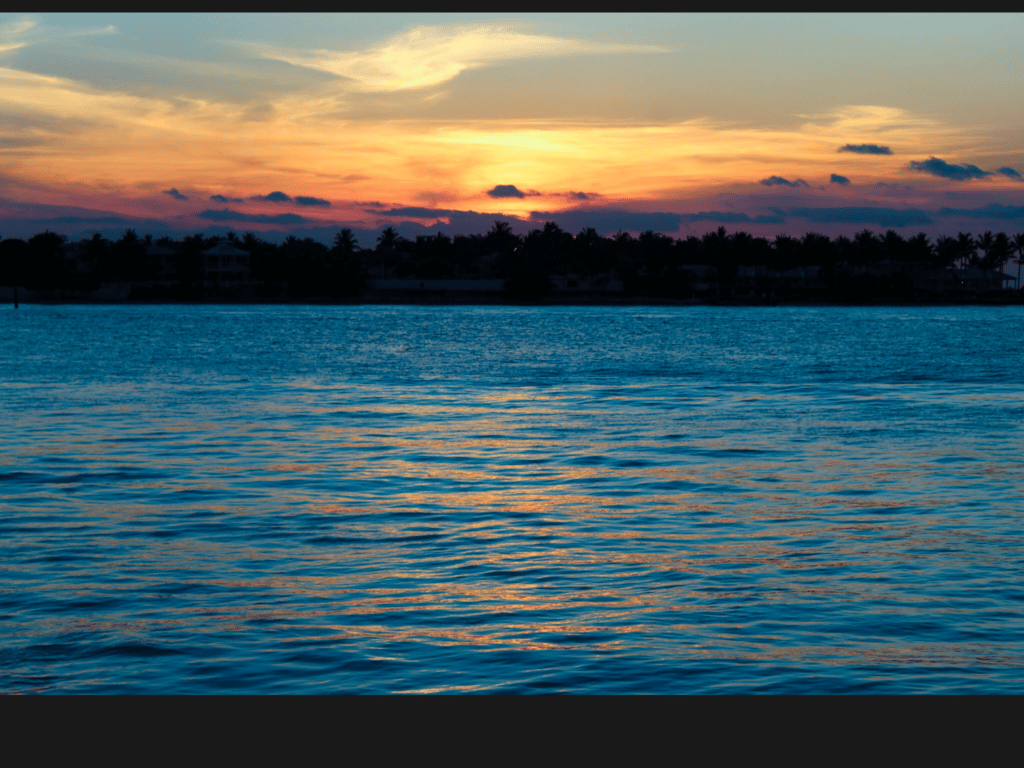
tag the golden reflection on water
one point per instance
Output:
(673, 520)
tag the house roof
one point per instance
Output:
(225, 248)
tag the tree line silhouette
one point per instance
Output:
(715, 266)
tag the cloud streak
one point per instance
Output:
(418, 212)
(774, 181)
(604, 220)
(257, 218)
(991, 211)
(733, 217)
(173, 192)
(26, 31)
(866, 149)
(431, 55)
(882, 217)
(609, 220)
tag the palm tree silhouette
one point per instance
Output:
(965, 250)
(501, 229)
(388, 240)
(867, 246)
(999, 254)
(346, 243)
(1018, 246)
(985, 243)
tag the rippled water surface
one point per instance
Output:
(511, 499)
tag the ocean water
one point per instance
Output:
(392, 499)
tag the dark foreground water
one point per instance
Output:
(502, 499)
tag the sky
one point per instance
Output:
(305, 123)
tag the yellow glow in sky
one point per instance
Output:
(389, 119)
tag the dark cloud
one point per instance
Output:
(222, 199)
(882, 217)
(273, 197)
(111, 226)
(837, 179)
(609, 221)
(373, 204)
(937, 167)
(866, 149)
(990, 211)
(35, 210)
(91, 220)
(459, 222)
(579, 195)
(1011, 172)
(505, 190)
(471, 222)
(418, 213)
(312, 201)
(732, 217)
(175, 194)
(229, 215)
(773, 181)
(604, 220)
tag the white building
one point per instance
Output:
(225, 264)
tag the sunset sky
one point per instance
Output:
(278, 124)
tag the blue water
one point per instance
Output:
(286, 499)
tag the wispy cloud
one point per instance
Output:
(427, 55)
(173, 192)
(110, 29)
(13, 34)
(27, 31)
(1013, 173)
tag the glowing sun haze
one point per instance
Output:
(768, 123)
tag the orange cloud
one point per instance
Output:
(432, 55)
(108, 147)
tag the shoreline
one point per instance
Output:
(631, 301)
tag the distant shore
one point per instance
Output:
(1008, 298)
